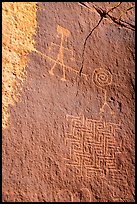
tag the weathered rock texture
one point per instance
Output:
(18, 27)
(70, 134)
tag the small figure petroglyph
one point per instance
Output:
(101, 79)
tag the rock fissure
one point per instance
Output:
(86, 42)
(117, 21)
(104, 14)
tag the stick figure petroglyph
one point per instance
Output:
(101, 79)
(60, 57)
(65, 33)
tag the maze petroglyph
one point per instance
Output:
(92, 146)
(65, 33)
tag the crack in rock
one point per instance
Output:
(86, 42)
(114, 19)
(104, 14)
(114, 7)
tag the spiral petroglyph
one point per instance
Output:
(102, 77)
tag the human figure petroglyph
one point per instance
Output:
(102, 78)
(64, 33)
(60, 57)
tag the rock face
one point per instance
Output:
(70, 134)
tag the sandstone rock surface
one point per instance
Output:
(70, 134)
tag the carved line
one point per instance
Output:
(53, 60)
